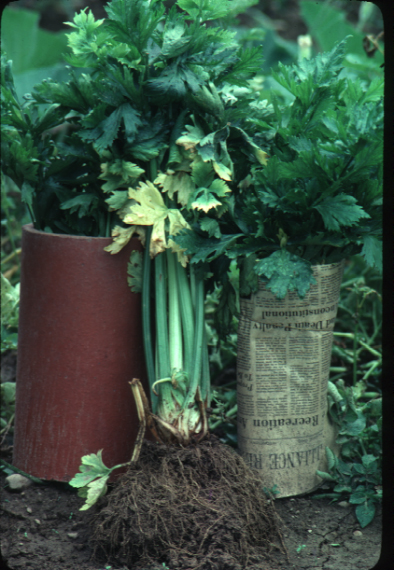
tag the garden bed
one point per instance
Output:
(42, 528)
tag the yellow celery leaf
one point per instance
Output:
(221, 170)
(206, 198)
(261, 156)
(158, 242)
(166, 181)
(180, 182)
(205, 201)
(122, 236)
(190, 138)
(176, 248)
(177, 223)
(161, 177)
(148, 208)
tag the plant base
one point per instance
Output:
(197, 507)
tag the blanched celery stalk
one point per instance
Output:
(179, 379)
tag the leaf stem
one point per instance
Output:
(187, 316)
(198, 343)
(163, 363)
(146, 318)
(174, 316)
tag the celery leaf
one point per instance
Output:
(340, 210)
(134, 272)
(373, 252)
(92, 467)
(203, 249)
(283, 271)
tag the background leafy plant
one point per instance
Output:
(222, 350)
(36, 53)
(357, 474)
(355, 394)
(9, 314)
(318, 199)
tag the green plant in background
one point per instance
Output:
(355, 405)
(362, 339)
(58, 180)
(319, 198)
(9, 341)
(357, 475)
(7, 413)
(36, 53)
(223, 412)
(328, 25)
(13, 215)
(357, 355)
(9, 314)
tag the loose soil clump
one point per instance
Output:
(197, 507)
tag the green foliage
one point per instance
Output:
(36, 53)
(272, 492)
(319, 197)
(9, 314)
(357, 481)
(159, 102)
(286, 272)
(224, 414)
(328, 25)
(134, 272)
(57, 180)
(355, 399)
(137, 80)
(7, 405)
(357, 355)
(91, 482)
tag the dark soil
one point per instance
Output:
(197, 507)
(43, 529)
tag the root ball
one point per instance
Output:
(197, 507)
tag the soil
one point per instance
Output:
(43, 529)
(197, 507)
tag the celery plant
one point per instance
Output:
(165, 106)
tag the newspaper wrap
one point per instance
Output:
(283, 362)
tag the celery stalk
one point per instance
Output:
(180, 381)
(146, 319)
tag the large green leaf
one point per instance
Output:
(373, 252)
(133, 21)
(36, 54)
(365, 512)
(329, 25)
(283, 272)
(341, 210)
(174, 40)
(205, 9)
(29, 46)
(203, 249)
